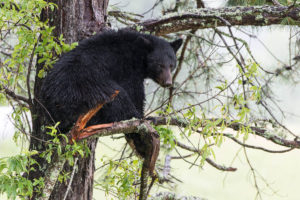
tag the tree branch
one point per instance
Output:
(29, 72)
(142, 127)
(14, 96)
(10, 5)
(209, 18)
(51, 176)
(71, 178)
(200, 4)
(235, 126)
(212, 163)
(173, 196)
(136, 126)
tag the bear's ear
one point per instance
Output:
(144, 42)
(176, 44)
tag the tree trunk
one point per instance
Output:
(76, 20)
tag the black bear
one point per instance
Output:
(113, 60)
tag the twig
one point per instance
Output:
(253, 173)
(256, 147)
(29, 71)
(180, 62)
(71, 178)
(14, 95)
(212, 163)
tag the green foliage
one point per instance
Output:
(27, 37)
(12, 169)
(240, 101)
(222, 87)
(30, 41)
(119, 177)
(59, 144)
(166, 135)
(288, 21)
(20, 30)
(18, 118)
(12, 179)
(63, 177)
(76, 149)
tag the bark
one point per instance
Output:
(210, 18)
(76, 20)
(135, 126)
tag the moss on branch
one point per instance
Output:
(209, 18)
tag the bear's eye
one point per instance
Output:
(161, 65)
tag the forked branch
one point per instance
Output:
(79, 131)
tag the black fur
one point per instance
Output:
(89, 74)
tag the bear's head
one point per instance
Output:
(161, 59)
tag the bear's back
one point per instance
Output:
(90, 74)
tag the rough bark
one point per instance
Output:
(76, 20)
(209, 18)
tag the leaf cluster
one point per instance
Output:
(13, 179)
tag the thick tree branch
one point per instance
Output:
(143, 127)
(235, 126)
(136, 125)
(209, 18)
